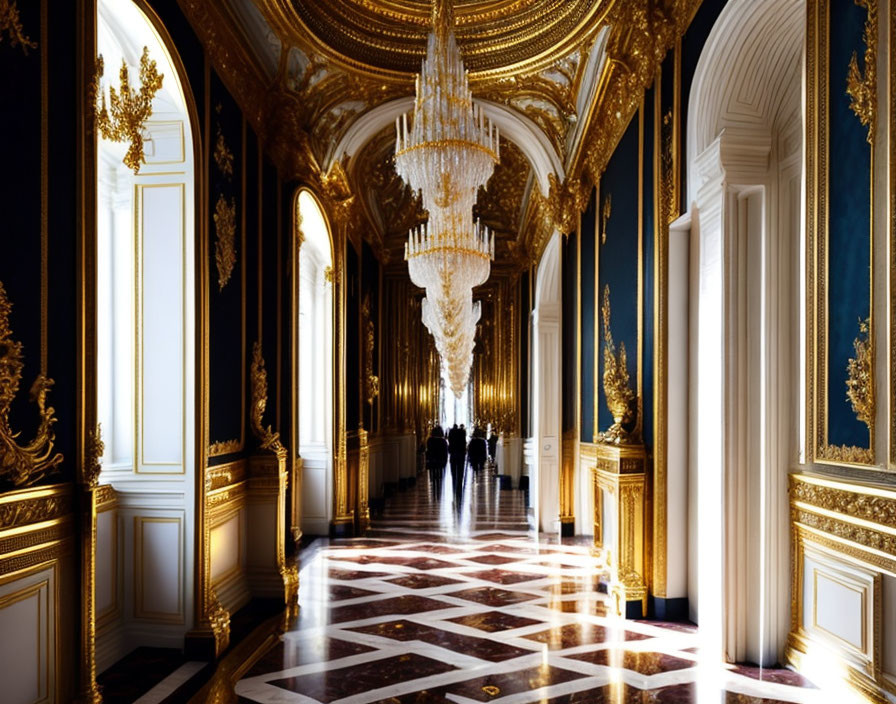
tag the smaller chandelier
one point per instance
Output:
(448, 153)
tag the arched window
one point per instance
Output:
(315, 360)
(145, 351)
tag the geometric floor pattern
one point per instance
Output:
(461, 602)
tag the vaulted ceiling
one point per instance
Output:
(322, 82)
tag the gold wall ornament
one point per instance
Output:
(617, 390)
(861, 86)
(371, 381)
(223, 156)
(860, 376)
(11, 25)
(331, 276)
(605, 217)
(668, 202)
(225, 239)
(124, 119)
(564, 202)
(267, 438)
(225, 447)
(28, 464)
(93, 456)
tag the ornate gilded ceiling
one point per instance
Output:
(309, 72)
(388, 37)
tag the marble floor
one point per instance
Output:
(458, 601)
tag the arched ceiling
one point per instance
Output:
(388, 38)
(308, 72)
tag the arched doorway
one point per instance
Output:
(545, 390)
(315, 366)
(745, 184)
(147, 396)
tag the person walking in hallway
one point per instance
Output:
(457, 451)
(436, 458)
(493, 448)
(476, 450)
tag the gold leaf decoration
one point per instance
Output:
(225, 239)
(93, 454)
(22, 465)
(668, 205)
(223, 156)
(267, 438)
(11, 25)
(605, 217)
(860, 376)
(226, 447)
(124, 119)
(849, 454)
(862, 87)
(371, 381)
(616, 381)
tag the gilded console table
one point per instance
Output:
(619, 483)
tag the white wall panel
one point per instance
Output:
(161, 238)
(167, 142)
(838, 602)
(27, 652)
(158, 564)
(106, 562)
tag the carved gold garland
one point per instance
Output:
(22, 465)
(605, 217)
(861, 87)
(11, 25)
(267, 438)
(860, 376)
(225, 239)
(618, 391)
(371, 381)
(225, 447)
(125, 117)
(93, 455)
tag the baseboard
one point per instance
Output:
(662, 609)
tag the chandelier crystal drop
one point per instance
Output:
(447, 154)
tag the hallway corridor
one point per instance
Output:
(441, 605)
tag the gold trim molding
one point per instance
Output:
(853, 501)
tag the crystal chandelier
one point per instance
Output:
(448, 153)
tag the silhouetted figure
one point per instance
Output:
(476, 450)
(493, 447)
(457, 453)
(436, 458)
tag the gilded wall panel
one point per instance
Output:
(840, 114)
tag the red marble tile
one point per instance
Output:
(490, 596)
(575, 634)
(776, 675)
(340, 592)
(491, 559)
(494, 686)
(644, 663)
(399, 605)
(347, 681)
(468, 645)
(494, 621)
(422, 581)
(504, 576)
(351, 575)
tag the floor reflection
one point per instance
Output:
(453, 598)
